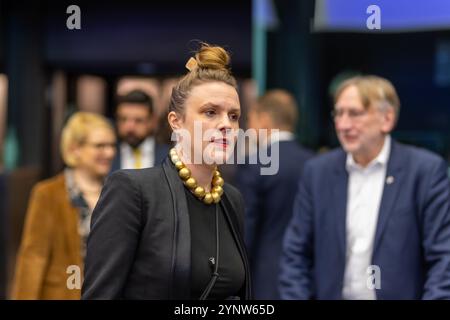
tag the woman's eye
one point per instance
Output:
(210, 113)
(234, 117)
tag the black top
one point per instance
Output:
(203, 246)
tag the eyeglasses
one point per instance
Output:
(352, 114)
(101, 146)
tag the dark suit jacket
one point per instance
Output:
(268, 201)
(412, 239)
(161, 151)
(140, 246)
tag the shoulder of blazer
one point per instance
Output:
(403, 154)
(56, 186)
(49, 202)
(324, 164)
(140, 182)
(137, 176)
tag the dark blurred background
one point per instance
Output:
(318, 43)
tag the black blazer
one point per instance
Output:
(139, 246)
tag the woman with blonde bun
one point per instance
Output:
(175, 231)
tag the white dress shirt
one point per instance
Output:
(365, 189)
(147, 147)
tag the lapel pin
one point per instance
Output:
(390, 180)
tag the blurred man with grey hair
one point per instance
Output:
(371, 219)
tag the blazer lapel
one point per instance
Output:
(340, 201)
(70, 221)
(181, 252)
(392, 184)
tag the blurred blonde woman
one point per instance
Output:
(59, 213)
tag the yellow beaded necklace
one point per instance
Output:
(185, 174)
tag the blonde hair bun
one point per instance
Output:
(212, 57)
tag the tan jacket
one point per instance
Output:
(50, 244)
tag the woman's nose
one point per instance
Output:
(225, 123)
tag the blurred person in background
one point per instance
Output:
(269, 198)
(136, 123)
(371, 219)
(58, 218)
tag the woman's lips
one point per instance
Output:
(222, 142)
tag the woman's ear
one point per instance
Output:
(174, 120)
